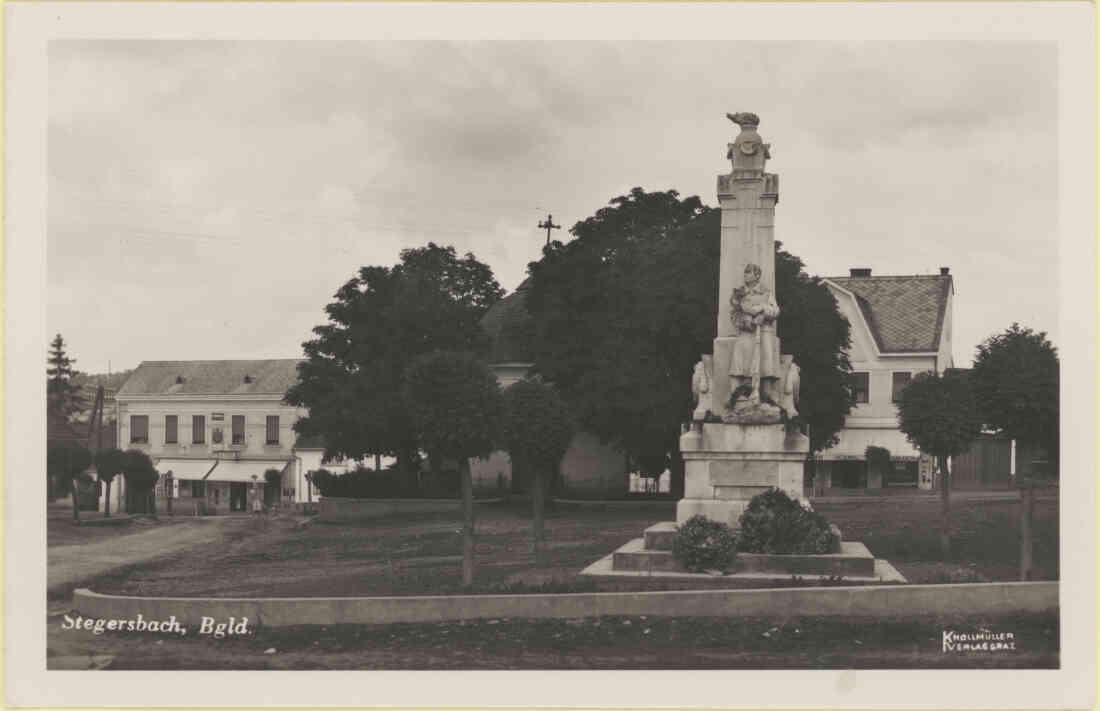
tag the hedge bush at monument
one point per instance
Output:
(704, 544)
(775, 523)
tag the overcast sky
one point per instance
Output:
(207, 199)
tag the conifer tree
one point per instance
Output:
(63, 394)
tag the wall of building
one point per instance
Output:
(589, 469)
(945, 358)
(255, 413)
(592, 469)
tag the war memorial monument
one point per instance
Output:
(742, 440)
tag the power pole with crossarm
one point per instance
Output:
(548, 225)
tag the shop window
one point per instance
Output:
(861, 386)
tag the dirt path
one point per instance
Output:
(67, 566)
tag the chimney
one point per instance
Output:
(944, 271)
(861, 273)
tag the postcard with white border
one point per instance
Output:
(726, 355)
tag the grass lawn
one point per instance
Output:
(422, 554)
(590, 643)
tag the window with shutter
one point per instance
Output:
(238, 429)
(171, 429)
(272, 429)
(198, 429)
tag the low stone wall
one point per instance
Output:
(334, 509)
(907, 600)
(668, 505)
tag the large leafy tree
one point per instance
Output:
(1015, 380)
(63, 393)
(379, 321)
(939, 415)
(622, 314)
(538, 428)
(456, 410)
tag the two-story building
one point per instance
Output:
(901, 326)
(217, 426)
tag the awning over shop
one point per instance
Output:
(243, 470)
(186, 468)
(854, 442)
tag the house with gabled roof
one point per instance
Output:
(901, 326)
(217, 426)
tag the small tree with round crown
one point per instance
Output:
(456, 409)
(938, 414)
(537, 431)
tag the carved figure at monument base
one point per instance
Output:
(701, 390)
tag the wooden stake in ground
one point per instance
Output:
(467, 524)
(945, 509)
(538, 496)
(1027, 514)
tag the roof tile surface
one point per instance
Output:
(509, 327)
(212, 377)
(905, 313)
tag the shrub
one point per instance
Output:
(775, 523)
(703, 544)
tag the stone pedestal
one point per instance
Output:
(725, 465)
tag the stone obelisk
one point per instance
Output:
(742, 441)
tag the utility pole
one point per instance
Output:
(548, 225)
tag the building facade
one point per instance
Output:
(901, 326)
(217, 427)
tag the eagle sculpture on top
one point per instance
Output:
(744, 118)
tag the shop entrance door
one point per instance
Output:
(238, 496)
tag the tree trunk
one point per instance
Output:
(377, 462)
(1027, 512)
(945, 509)
(538, 499)
(467, 523)
(153, 500)
(107, 499)
(76, 500)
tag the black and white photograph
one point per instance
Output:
(735, 354)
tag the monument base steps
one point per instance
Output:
(652, 555)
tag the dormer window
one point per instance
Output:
(179, 380)
(248, 380)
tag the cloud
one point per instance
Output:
(202, 179)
